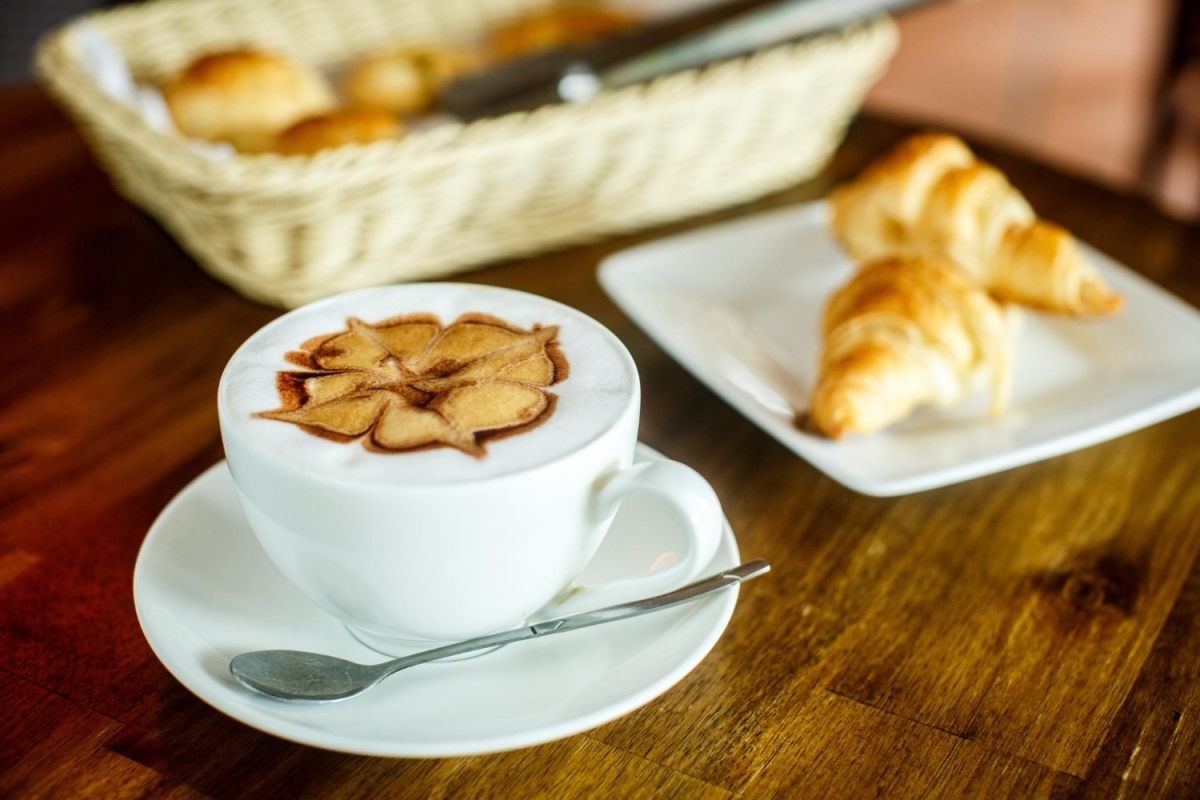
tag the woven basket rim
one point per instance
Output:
(60, 68)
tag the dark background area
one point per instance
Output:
(22, 22)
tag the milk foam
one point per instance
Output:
(600, 387)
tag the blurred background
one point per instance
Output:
(1107, 89)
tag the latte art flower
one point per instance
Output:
(409, 383)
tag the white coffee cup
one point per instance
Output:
(414, 549)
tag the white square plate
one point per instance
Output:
(738, 305)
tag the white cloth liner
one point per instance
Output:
(103, 59)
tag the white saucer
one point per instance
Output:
(738, 305)
(205, 591)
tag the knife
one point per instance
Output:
(576, 75)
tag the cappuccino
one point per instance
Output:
(432, 462)
(429, 383)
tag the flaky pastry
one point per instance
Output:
(244, 97)
(931, 196)
(907, 332)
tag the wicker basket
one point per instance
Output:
(290, 230)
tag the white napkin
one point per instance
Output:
(107, 66)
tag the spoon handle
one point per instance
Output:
(744, 572)
(684, 594)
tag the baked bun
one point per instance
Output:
(407, 81)
(338, 128)
(559, 26)
(245, 97)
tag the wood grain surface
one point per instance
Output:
(1032, 633)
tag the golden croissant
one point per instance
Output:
(907, 331)
(931, 196)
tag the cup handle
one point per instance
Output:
(695, 502)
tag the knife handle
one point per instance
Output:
(509, 86)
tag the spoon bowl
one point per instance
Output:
(298, 675)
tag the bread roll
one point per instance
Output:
(907, 332)
(338, 128)
(559, 26)
(245, 97)
(930, 196)
(407, 81)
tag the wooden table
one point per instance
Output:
(1033, 633)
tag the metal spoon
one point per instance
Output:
(296, 675)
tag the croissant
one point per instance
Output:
(930, 196)
(905, 332)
